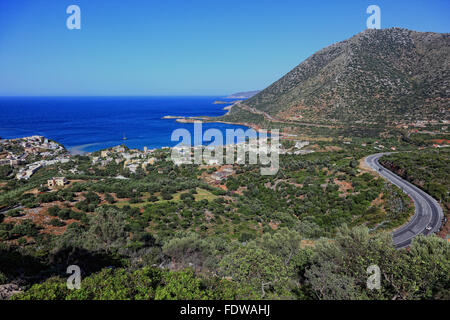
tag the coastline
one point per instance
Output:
(209, 120)
(78, 150)
(84, 136)
(188, 119)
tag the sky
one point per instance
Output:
(180, 47)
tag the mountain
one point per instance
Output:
(377, 76)
(243, 95)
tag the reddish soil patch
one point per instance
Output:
(240, 191)
(445, 230)
(441, 141)
(344, 186)
(307, 244)
(34, 191)
(332, 148)
(273, 225)
(41, 218)
(378, 201)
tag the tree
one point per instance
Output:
(182, 285)
(257, 268)
(189, 250)
(427, 269)
(5, 172)
(109, 198)
(107, 230)
(53, 211)
(121, 284)
(284, 243)
(329, 284)
(347, 258)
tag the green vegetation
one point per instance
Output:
(173, 232)
(142, 228)
(144, 284)
(278, 267)
(428, 170)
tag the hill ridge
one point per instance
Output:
(388, 75)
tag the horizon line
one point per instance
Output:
(115, 96)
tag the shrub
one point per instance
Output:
(51, 289)
(245, 237)
(187, 197)
(135, 200)
(3, 278)
(166, 196)
(53, 211)
(5, 172)
(64, 214)
(26, 228)
(77, 215)
(92, 197)
(57, 223)
(15, 213)
(109, 198)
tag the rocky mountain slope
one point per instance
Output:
(377, 76)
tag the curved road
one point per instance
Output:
(428, 214)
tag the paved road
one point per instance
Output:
(428, 212)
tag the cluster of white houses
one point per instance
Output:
(223, 173)
(26, 172)
(253, 148)
(20, 149)
(132, 159)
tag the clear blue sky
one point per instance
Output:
(169, 47)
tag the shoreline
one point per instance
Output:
(188, 119)
(74, 150)
(78, 150)
(244, 124)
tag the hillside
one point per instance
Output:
(168, 231)
(377, 76)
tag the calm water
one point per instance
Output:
(89, 124)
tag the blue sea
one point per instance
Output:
(86, 124)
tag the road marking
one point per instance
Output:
(423, 203)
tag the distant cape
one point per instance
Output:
(243, 95)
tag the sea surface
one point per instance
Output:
(87, 124)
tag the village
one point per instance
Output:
(30, 154)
